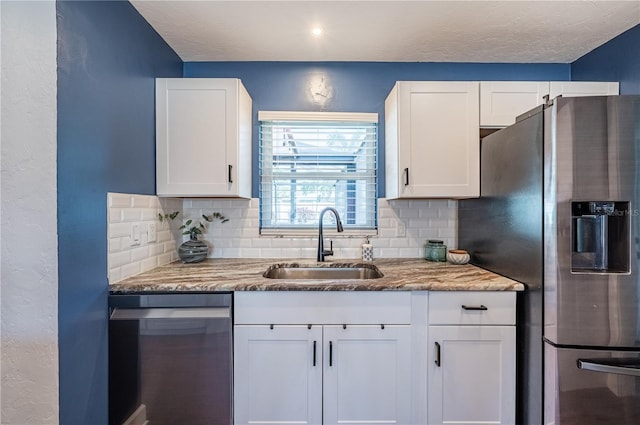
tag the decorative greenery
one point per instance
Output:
(191, 228)
(168, 216)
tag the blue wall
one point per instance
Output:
(108, 57)
(357, 86)
(616, 60)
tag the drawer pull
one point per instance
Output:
(474, 307)
(437, 354)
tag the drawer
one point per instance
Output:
(472, 308)
(339, 307)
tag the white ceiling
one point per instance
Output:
(389, 31)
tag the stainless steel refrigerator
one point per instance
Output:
(559, 211)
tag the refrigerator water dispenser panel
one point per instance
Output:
(600, 237)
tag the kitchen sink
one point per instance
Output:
(330, 272)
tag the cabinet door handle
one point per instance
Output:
(406, 176)
(230, 168)
(474, 307)
(437, 354)
(314, 353)
(330, 353)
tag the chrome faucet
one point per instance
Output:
(321, 251)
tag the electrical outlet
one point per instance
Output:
(151, 232)
(135, 234)
(400, 229)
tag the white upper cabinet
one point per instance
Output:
(431, 140)
(502, 101)
(203, 137)
(582, 88)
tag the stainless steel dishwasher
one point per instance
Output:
(170, 359)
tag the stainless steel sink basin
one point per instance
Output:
(332, 272)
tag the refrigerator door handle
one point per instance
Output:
(629, 367)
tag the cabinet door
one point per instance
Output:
(502, 101)
(438, 143)
(367, 374)
(582, 88)
(277, 374)
(198, 136)
(471, 375)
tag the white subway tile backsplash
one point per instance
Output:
(165, 258)
(114, 275)
(124, 211)
(239, 237)
(119, 200)
(130, 269)
(119, 259)
(115, 245)
(149, 264)
(118, 230)
(130, 214)
(115, 215)
(139, 254)
(408, 213)
(422, 220)
(141, 201)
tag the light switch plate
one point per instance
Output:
(135, 234)
(151, 232)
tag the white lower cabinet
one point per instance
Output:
(367, 374)
(288, 372)
(399, 358)
(471, 375)
(322, 374)
(471, 358)
(275, 378)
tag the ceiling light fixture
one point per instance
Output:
(316, 32)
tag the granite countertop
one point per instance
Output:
(238, 274)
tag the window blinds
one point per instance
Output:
(309, 161)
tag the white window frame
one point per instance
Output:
(329, 230)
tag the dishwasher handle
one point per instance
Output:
(170, 313)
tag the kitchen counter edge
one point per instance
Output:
(226, 274)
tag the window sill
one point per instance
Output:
(313, 233)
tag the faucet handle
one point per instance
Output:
(330, 251)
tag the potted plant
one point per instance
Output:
(194, 250)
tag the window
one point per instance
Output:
(312, 160)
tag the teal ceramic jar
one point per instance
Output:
(435, 250)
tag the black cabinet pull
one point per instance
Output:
(406, 176)
(314, 353)
(330, 353)
(437, 354)
(230, 168)
(472, 307)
